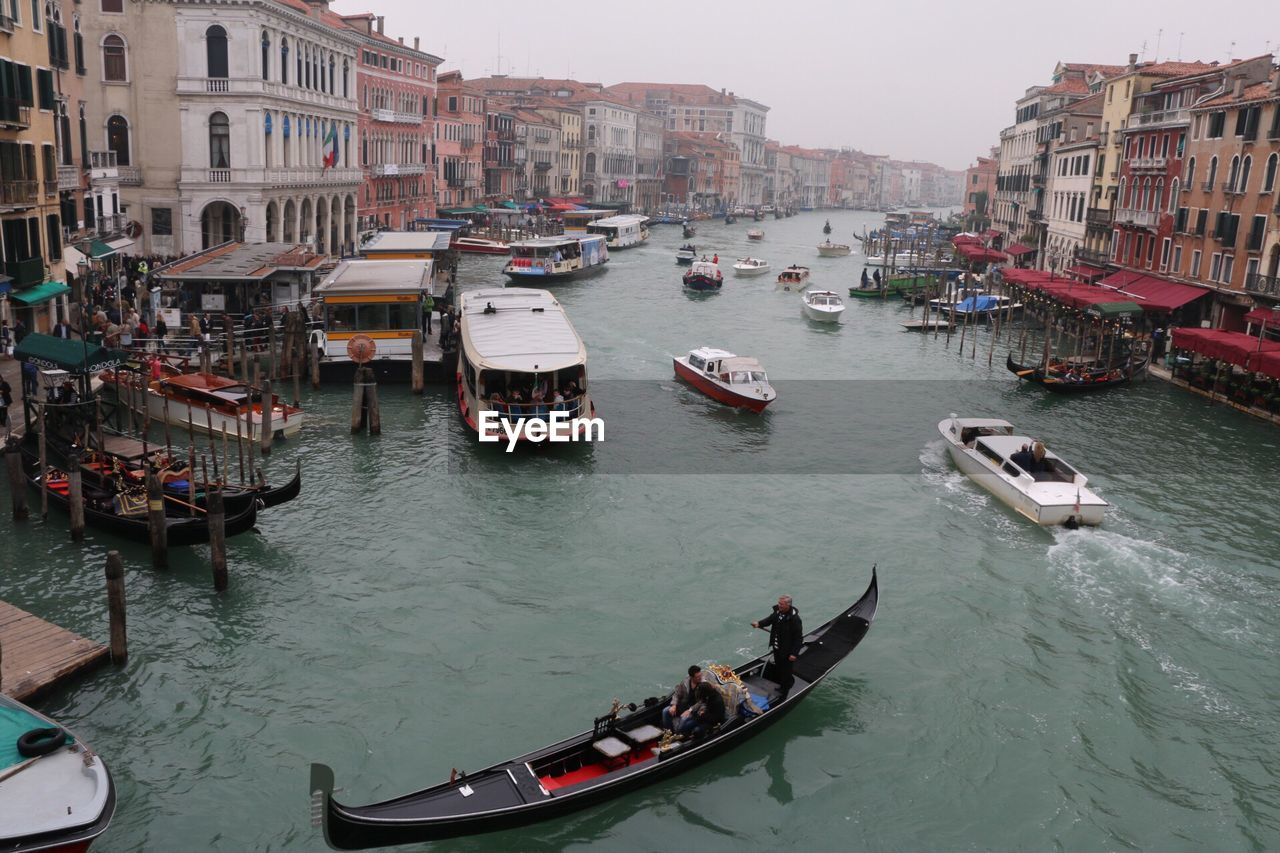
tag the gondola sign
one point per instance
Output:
(361, 349)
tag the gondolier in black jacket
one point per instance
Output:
(786, 636)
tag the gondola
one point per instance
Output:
(826, 229)
(100, 512)
(1094, 379)
(619, 754)
(689, 230)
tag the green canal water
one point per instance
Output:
(429, 603)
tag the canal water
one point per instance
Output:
(429, 603)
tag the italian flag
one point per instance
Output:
(331, 139)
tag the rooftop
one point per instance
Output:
(378, 276)
(242, 261)
(406, 241)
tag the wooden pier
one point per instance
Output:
(37, 656)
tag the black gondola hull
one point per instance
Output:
(417, 817)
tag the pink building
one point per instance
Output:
(460, 118)
(980, 186)
(396, 87)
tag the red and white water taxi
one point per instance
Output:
(731, 379)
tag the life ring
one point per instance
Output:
(38, 742)
(133, 231)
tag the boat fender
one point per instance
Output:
(38, 742)
(651, 701)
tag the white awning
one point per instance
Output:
(71, 258)
(121, 244)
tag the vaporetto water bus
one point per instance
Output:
(520, 359)
(378, 299)
(621, 232)
(548, 259)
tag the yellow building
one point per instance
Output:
(30, 222)
(570, 144)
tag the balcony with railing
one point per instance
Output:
(130, 176)
(68, 177)
(255, 85)
(1229, 188)
(541, 165)
(1148, 164)
(25, 273)
(1140, 218)
(392, 170)
(1159, 118)
(1096, 217)
(102, 165)
(1207, 186)
(1093, 256)
(13, 115)
(1262, 285)
(6, 22)
(111, 224)
(18, 193)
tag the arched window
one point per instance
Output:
(1173, 196)
(215, 45)
(1269, 179)
(1213, 173)
(332, 67)
(1157, 200)
(118, 138)
(1245, 168)
(284, 60)
(297, 58)
(305, 76)
(1191, 172)
(590, 166)
(219, 141)
(115, 68)
(266, 56)
(1121, 195)
(1233, 174)
(1146, 191)
(346, 78)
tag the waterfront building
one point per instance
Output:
(980, 190)
(609, 148)
(460, 135)
(31, 207)
(537, 155)
(499, 155)
(253, 138)
(1225, 233)
(812, 179)
(570, 123)
(695, 108)
(649, 157)
(397, 87)
(700, 172)
(1159, 160)
(1071, 186)
(1121, 90)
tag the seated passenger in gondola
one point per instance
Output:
(706, 714)
(681, 699)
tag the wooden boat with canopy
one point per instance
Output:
(623, 750)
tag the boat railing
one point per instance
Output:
(519, 411)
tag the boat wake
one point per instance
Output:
(960, 494)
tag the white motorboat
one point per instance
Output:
(737, 381)
(56, 792)
(1021, 472)
(901, 259)
(793, 279)
(755, 234)
(824, 306)
(751, 266)
(828, 249)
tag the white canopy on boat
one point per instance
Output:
(519, 329)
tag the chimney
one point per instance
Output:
(1237, 87)
(402, 39)
(1133, 61)
(1275, 83)
(415, 42)
(381, 22)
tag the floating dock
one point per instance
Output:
(36, 656)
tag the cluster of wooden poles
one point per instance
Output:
(365, 413)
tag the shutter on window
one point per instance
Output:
(44, 77)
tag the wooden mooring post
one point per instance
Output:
(229, 332)
(268, 432)
(44, 468)
(156, 521)
(217, 538)
(17, 480)
(115, 608)
(75, 497)
(416, 376)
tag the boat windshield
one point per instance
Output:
(758, 376)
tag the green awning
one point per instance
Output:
(510, 205)
(456, 211)
(99, 250)
(1114, 310)
(39, 294)
(64, 354)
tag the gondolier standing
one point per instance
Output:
(786, 636)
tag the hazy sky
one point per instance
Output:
(912, 79)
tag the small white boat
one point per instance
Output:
(824, 306)
(479, 246)
(828, 249)
(793, 279)
(686, 254)
(57, 793)
(755, 234)
(751, 266)
(901, 259)
(1021, 472)
(734, 380)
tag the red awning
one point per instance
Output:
(979, 254)
(991, 233)
(1270, 316)
(966, 240)
(1019, 249)
(1152, 292)
(1266, 362)
(1086, 272)
(1232, 347)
